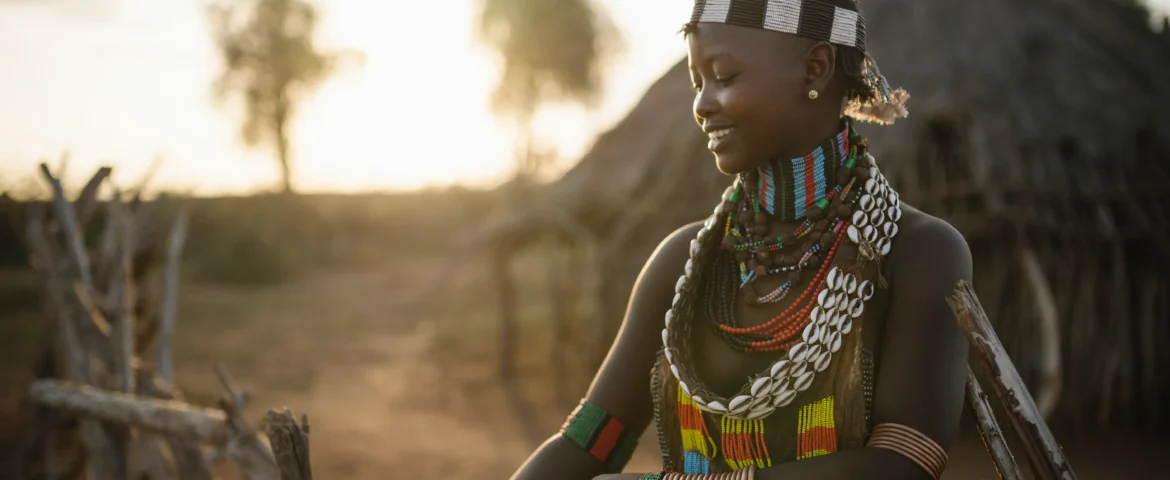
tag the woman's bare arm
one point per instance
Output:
(622, 385)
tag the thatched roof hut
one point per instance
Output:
(1041, 129)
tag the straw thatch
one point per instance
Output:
(1040, 128)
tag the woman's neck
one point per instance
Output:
(787, 187)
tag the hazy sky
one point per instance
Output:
(122, 81)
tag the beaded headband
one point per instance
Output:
(806, 18)
(820, 21)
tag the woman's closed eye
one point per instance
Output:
(725, 81)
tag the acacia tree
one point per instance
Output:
(269, 64)
(552, 51)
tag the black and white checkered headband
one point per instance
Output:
(811, 19)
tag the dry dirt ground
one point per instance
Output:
(400, 386)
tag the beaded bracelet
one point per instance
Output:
(652, 476)
(597, 432)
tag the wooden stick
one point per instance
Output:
(163, 416)
(86, 202)
(290, 444)
(67, 218)
(989, 431)
(1046, 457)
(244, 447)
(170, 299)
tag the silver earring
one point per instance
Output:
(812, 94)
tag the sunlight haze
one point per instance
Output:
(122, 81)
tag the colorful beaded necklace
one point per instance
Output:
(810, 331)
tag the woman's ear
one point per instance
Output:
(820, 61)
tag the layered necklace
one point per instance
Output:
(836, 193)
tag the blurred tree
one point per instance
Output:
(552, 51)
(269, 63)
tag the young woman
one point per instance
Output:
(802, 330)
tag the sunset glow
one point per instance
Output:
(123, 81)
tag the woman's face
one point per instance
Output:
(751, 94)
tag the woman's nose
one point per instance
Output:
(705, 105)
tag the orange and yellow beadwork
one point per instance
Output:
(816, 433)
(742, 441)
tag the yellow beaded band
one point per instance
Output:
(912, 444)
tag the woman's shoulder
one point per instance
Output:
(667, 262)
(928, 248)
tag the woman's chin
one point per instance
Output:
(731, 164)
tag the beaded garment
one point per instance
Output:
(815, 397)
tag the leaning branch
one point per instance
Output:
(1045, 454)
(989, 431)
(162, 416)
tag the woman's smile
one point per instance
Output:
(717, 138)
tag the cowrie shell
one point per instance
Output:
(681, 284)
(834, 342)
(783, 398)
(798, 353)
(856, 308)
(870, 234)
(866, 290)
(717, 407)
(694, 249)
(883, 246)
(860, 218)
(835, 278)
(804, 382)
(665, 334)
(762, 383)
(823, 361)
(825, 299)
(841, 299)
(760, 412)
(847, 326)
(810, 333)
(817, 315)
(854, 234)
(871, 186)
(739, 404)
(896, 213)
(674, 370)
(877, 216)
(669, 320)
(866, 202)
(850, 284)
(779, 368)
(890, 229)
